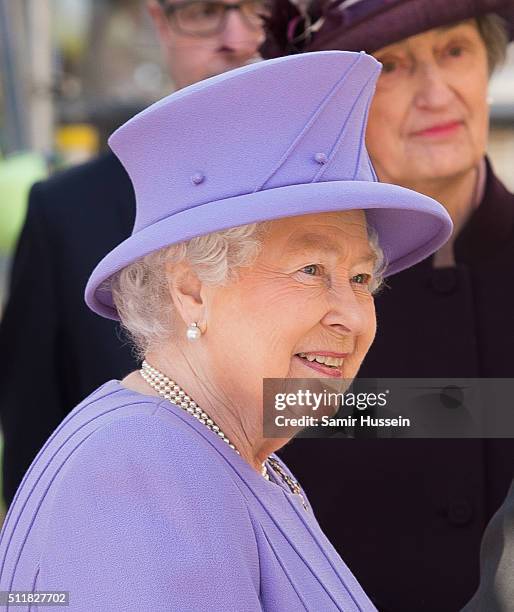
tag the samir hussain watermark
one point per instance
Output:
(325, 404)
(325, 421)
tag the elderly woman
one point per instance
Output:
(448, 316)
(261, 233)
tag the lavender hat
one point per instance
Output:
(275, 139)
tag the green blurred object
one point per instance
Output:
(17, 174)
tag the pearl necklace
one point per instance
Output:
(176, 395)
(169, 389)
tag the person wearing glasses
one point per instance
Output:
(70, 356)
(202, 38)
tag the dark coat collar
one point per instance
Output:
(490, 226)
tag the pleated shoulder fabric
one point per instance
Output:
(132, 504)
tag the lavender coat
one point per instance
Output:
(132, 504)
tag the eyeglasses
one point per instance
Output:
(206, 18)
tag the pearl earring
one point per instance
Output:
(193, 332)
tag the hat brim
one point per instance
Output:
(410, 226)
(388, 23)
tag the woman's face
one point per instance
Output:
(307, 295)
(429, 116)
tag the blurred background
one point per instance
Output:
(71, 72)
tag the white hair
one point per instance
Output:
(495, 34)
(141, 293)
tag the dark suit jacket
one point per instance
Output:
(52, 347)
(408, 515)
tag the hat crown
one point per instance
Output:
(275, 139)
(235, 134)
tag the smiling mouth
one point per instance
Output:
(333, 362)
(329, 364)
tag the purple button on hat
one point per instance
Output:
(278, 138)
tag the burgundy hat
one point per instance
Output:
(355, 25)
(254, 144)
